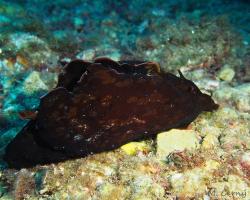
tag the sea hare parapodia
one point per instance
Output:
(101, 105)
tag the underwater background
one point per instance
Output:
(209, 41)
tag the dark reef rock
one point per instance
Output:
(102, 105)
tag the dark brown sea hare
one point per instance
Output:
(102, 105)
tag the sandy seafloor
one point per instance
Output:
(208, 40)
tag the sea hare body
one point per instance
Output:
(101, 105)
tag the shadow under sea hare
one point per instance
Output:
(99, 106)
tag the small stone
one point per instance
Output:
(241, 97)
(176, 140)
(158, 12)
(208, 130)
(78, 22)
(88, 54)
(22, 60)
(145, 187)
(211, 165)
(33, 83)
(194, 181)
(227, 113)
(32, 51)
(246, 158)
(24, 185)
(242, 102)
(112, 191)
(133, 148)
(227, 74)
(210, 141)
(224, 93)
(235, 187)
(245, 162)
(244, 88)
(141, 183)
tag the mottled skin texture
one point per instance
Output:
(102, 105)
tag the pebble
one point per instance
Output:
(133, 148)
(34, 83)
(176, 140)
(227, 74)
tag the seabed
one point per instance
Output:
(209, 41)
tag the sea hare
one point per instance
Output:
(99, 106)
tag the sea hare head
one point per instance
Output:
(205, 101)
(101, 105)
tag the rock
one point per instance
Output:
(193, 182)
(246, 158)
(224, 93)
(227, 113)
(207, 130)
(145, 187)
(242, 102)
(32, 51)
(33, 83)
(112, 191)
(239, 96)
(245, 162)
(78, 22)
(88, 54)
(49, 79)
(242, 97)
(244, 88)
(24, 185)
(233, 188)
(176, 140)
(158, 12)
(226, 74)
(133, 148)
(210, 141)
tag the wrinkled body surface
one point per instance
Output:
(102, 105)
